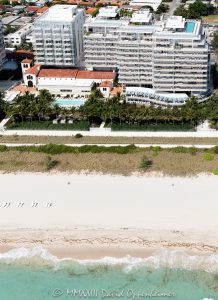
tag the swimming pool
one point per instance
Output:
(69, 103)
(189, 26)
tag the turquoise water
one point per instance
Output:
(70, 102)
(189, 27)
(109, 278)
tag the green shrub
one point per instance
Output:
(3, 148)
(215, 149)
(155, 150)
(215, 171)
(78, 136)
(48, 125)
(145, 163)
(49, 163)
(53, 149)
(180, 149)
(208, 156)
(152, 127)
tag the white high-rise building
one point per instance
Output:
(2, 49)
(167, 56)
(58, 36)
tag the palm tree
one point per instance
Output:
(2, 106)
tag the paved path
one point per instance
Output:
(192, 134)
(112, 145)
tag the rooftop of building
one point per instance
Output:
(23, 89)
(31, 8)
(96, 74)
(27, 61)
(175, 22)
(142, 16)
(41, 10)
(108, 12)
(60, 13)
(33, 70)
(58, 73)
(140, 3)
(23, 30)
(175, 26)
(70, 73)
(106, 83)
(116, 90)
(90, 10)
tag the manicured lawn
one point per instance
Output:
(156, 127)
(48, 125)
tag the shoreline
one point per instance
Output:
(96, 215)
(94, 243)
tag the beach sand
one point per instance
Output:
(90, 216)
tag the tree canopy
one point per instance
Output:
(195, 10)
(215, 41)
(112, 111)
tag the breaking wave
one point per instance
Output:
(164, 258)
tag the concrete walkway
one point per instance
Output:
(114, 145)
(196, 134)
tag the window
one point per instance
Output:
(104, 89)
(29, 77)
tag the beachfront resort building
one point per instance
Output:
(58, 36)
(2, 49)
(166, 56)
(66, 82)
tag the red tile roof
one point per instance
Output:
(90, 10)
(72, 2)
(32, 8)
(116, 90)
(41, 10)
(75, 73)
(85, 3)
(106, 83)
(96, 75)
(33, 70)
(27, 61)
(59, 73)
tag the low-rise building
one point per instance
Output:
(9, 20)
(105, 87)
(66, 82)
(140, 3)
(18, 9)
(19, 36)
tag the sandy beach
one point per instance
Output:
(85, 216)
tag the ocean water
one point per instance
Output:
(35, 274)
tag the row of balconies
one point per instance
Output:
(180, 84)
(175, 60)
(180, 62)
(181, 54)
(177, 79)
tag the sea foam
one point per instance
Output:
(163, 258)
